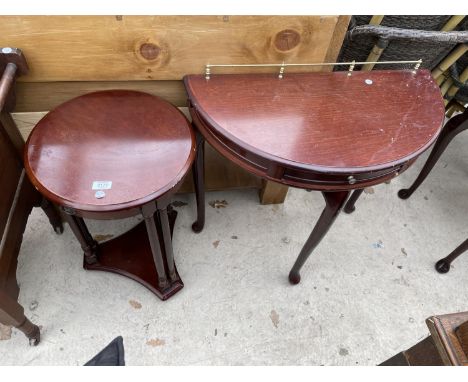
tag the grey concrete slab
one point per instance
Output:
(364, 295)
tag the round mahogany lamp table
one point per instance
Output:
(332, 132)
(110, 155)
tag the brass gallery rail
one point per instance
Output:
(283, 65)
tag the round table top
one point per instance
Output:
(109, 150)
(323, 122)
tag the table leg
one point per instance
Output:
(349, 207)
(443, 265)
(334, 202)
(167, 240)
(140, 253)
(451, 129)
(148, 215)
(198, 170)
(53, 215)
(12, 313)
(88, 244)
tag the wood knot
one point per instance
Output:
(287, 39)
(149, 51)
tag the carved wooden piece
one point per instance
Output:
(17, 199)
(319, 131)
(140, 143)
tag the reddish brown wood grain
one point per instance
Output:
(140, 142)
(10, 173)
(322, 123)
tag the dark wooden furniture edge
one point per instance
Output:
(443, 329)
(446, 345)
(11, 312)
(124, 209)
(424, 353)
(12, 64)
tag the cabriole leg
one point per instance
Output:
(451, 129)
(12, 314)
(334, 203)
(443, 265)
(31, 331)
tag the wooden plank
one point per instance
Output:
(273, 193)
(221, 174)
(110, 48)
(337, 40)
(26, 122)
(39, 96)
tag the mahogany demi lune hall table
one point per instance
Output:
(115, 154)
(330, 132)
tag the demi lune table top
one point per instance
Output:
(328, 122)
(139, 142)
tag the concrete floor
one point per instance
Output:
(364, 295)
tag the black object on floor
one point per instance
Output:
(111, 355)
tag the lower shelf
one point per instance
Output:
(130, 255)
